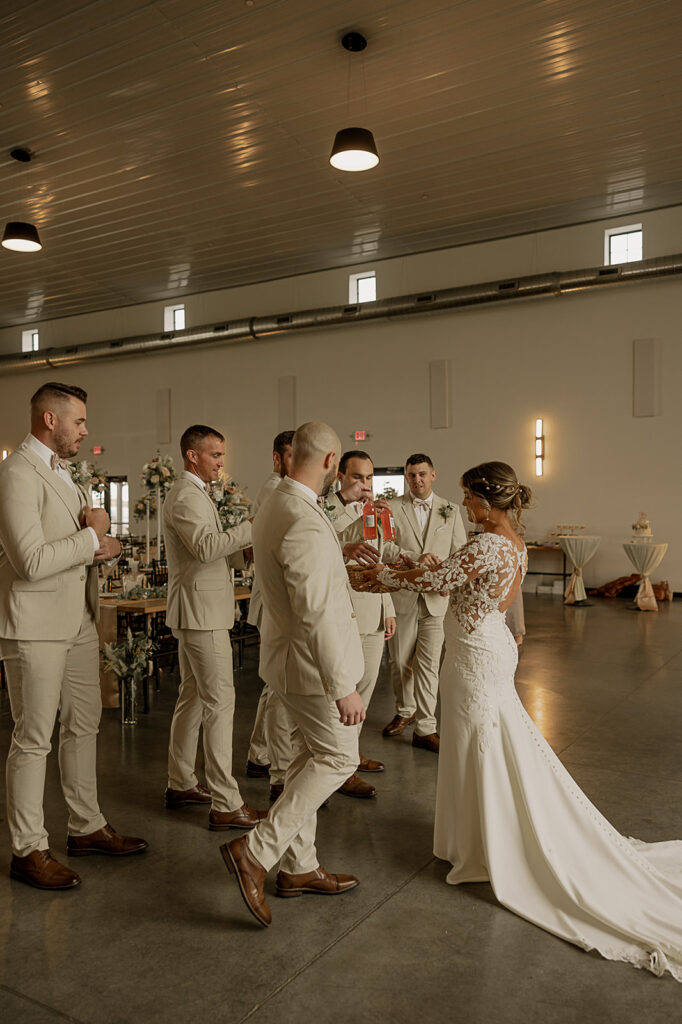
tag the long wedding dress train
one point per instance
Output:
(508, 812)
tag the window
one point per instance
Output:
(362, 287)
(392, 477)
(623, 245)
(115, 500)
(174, 318)
(30, 342)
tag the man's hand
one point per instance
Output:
(389, 627)
(356, 492)
(381, 502)
(351, 709)
(429, 561)
(98, 519)
(361, 552)
(108, 548)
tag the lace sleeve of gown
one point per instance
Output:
(481, 555)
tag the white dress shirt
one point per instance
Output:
(422, 510)
(46, 454)
(304, 487)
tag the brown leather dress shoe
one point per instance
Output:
(179, 797)
(250, 877)
(104, 840)
(355, 786)
(43, 871)
(397, 725)
(243, 817)
(430, 742)
(257, 771)
(367, 765)
(319, 882)
(276, 790)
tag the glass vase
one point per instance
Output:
(129, 700)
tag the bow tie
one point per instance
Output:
(57, 463)
(421, 503)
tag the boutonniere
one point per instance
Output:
(446, 511)
(329, 509)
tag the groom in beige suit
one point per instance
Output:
(51, 542)
(375, 614)
(429, 528)
(200, 612)
(312, 656)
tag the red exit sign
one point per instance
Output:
(360, 435)
(97, 449)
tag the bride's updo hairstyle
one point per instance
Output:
(495, 485)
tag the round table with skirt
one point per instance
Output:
(580, 550)
(645, 558)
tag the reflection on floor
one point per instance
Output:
(165, 938)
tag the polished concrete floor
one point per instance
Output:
(164, 937)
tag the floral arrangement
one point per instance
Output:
(389, 492)
(446, 511)
(128, 658)
(231, 500)
(159, 472)
(89, 476)
(140, 507)
(329, 509)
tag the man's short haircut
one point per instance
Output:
(312, 440)
(355, 453)
(55, 393)
(415, 459)
(194, 435)
(283, 441)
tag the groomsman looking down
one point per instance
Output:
(429, 529)
(312, 656)
(51, 543)
(376, 616)
(200, 611)
(270, 745)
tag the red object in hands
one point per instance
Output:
(387, 524)
(369, 521)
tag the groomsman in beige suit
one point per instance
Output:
(200, 612)
(429, 529)
(270, 746)
(376, 616)
(312, 655)
(51, 542)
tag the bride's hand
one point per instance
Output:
(429, 561)
(408, 562)
(370, 584)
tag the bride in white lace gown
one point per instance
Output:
(507, 811)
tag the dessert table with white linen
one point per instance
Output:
(645, 558)
(580, 549)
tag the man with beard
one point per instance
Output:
(312, 656)
(51, 542)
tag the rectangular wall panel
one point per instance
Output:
(646, 377)
(163, 416)
(286, 403)
(439, 387)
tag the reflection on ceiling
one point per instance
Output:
(183, 145)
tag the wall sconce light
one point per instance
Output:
(539, 448)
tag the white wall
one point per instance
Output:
(568, 360)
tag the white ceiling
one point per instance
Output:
(182, 145)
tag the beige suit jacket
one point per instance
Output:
(310, 642)
(371, 610)
(256, 602)
(442, 538)
(199, 554)
(45, 571)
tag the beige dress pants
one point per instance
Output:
(325, 754)
(372, 650)
(205, 698)
(258, 747)
(415, 665)
(46, 677)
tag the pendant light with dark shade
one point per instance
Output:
(21, 237)
(354, 149)
(18, 235)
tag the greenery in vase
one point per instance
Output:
(138, 593)
(128, 658)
